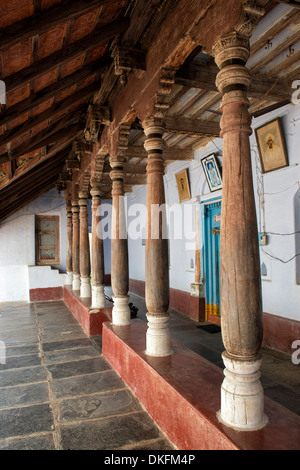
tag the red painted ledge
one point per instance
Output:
(182, 394)
(45, 294)
(90, 320)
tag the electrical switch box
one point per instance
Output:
(262, 239)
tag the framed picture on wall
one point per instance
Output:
(271, 146)
(212, 172)
(183, 185)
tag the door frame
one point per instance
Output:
(203, 253)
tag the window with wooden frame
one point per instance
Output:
(47, 240)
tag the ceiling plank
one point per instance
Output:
(66, 54)
(46, 19)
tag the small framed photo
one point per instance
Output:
(183, 185)
(212, 172)
(271, 146)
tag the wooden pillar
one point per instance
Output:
(97, 258)
(84, 258)
(119, 246)
(75, 245)
(242, 399)
(69, 246)
(157, 264)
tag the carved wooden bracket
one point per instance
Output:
(127, 59)
(96, 115)
(252, 13)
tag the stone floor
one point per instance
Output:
(57, 391)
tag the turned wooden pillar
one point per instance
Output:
(156, 263)
(119, 247)
(69, 280)
(75, 245)
(241, 305)
(84, 256)
(97, 258)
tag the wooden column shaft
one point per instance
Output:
(97, 259)
(84, 257)
(75, 237)
(156, 263)
(69, 262)
(241, 307)
(119, 243)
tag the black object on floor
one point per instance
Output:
(210, 328)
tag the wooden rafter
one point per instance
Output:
(51, 91)
(56, 133)
(50, 113)
(69, 52)
(45, 20)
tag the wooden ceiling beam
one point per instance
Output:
(51, 91)
(50, 113)
(128, 168)
(171, 154)
(204, 77)
(192, 126)
(69, 52)
(291, 3)
(128, 180)
(45, 20)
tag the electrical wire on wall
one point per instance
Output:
(296, 232)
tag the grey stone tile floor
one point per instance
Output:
(58, 392)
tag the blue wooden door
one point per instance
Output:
(212, 224)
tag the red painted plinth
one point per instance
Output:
(46, 293)
(182, 394)
(90, 320)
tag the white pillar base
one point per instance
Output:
(98, 297)
(69, 279)
(85, 287)
(76, 282)
(158, 339)
(242, 396)
(121, 311)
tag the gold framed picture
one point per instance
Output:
(183, 185)
(271, 146)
